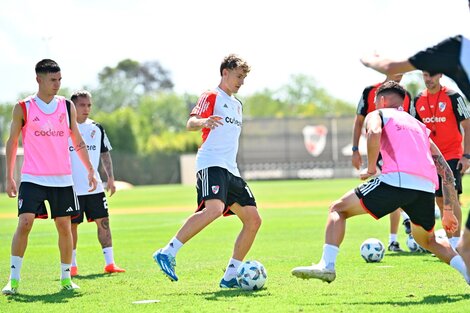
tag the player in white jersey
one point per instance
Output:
(92, 203)
(220, 189)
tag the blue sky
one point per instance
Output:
(322, 39)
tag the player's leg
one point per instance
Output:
(30, 204)
(373, 197)
(251, 222)
(393, 244)
(441, 248)
(105, 239)
(76, 220)
(64, 205)
(212, 187)
(347, 206)
(18, 248)
(464, 245)
(74, 268)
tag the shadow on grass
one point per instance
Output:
(232, 293)
(434, 299)
(92, 276)
(57, 297)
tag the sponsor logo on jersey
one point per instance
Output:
(225, 106)
(434, 119)
(422, 108)
(215, 189)
(442, 106)
(233, 120)
(36, 119)
(49, 133)
(315, 139)
(88, 147)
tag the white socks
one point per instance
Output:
(392, 238)
(172, 247)
(231, 270)
(457, 263)
(328, 258)
(74, 257)
(454, 241)
(404, 216)
(65, 270)
(15, 267)
(108, 255)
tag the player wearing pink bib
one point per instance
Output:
(220, 189)
(46, 121)
(408, 180)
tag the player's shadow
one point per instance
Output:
(406, 253)
(92, 276)
(231, 293)
(432, 299)
(56, 297)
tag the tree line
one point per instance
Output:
(142, 114)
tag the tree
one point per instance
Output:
(124, 84)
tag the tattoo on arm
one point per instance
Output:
(448, 181)
(80, 146)
(107, 164)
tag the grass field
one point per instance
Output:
(294, 213)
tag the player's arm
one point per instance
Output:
(197, 122)
(449, 194)
(373, 123)
(357, 130)
(107, 163)
(387, 66)
(80, 148)
(11, 149)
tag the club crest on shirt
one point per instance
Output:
(442, 106)
(215, 189)
(62, 118)
(315, 139)
(92, 134)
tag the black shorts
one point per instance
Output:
(219, 183)
(62, 200)
(457, 175)
(380, 199)
(94, 206)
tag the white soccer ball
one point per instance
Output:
(251, 275)
(414, 246)
(372, 250)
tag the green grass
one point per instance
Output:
(294, 214)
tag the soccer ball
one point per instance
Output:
(414, 246)
(372, 250)
(251, 275)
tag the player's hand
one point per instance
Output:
(356, 160)
(92, 183)
(365, 174)
(463, 165)
(11, 189)
(449, 221)
(110, 186)
(212, 122)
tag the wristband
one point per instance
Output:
(356, 148)
(466, 155)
